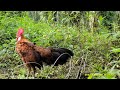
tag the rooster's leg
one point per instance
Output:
(34, 71)
(29, 70)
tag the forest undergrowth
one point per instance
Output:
(91, 35)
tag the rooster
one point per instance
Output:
(34, 56)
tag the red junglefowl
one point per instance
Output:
(33, 56)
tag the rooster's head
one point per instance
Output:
(19, 34)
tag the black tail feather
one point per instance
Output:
(61, 55)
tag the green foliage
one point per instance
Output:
(107, 73)
(92, 35)
(115, 50)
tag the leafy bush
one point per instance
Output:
(85, 33)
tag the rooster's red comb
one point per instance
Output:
(20, 31)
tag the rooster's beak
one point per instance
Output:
(16, 38)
